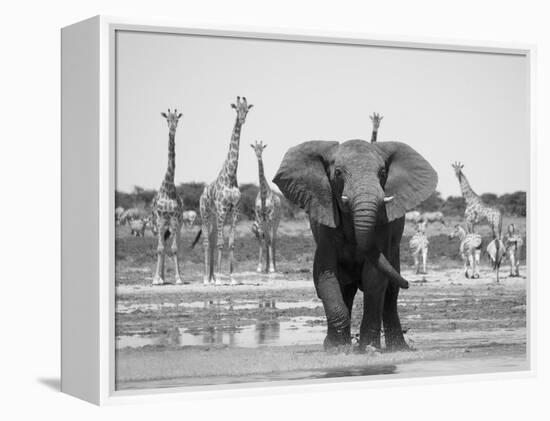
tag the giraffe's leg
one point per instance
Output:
(274, 242)
(234, 219)
(205, 228)
(259, 269)
(220, 220)
(269, 245)
(158, 279)
(175, 228)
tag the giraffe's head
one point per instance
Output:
(258, 148)
(242, 108)
(458, 168)
(172, 119)
(376, 119)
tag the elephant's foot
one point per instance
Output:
(370, 348)
(337, 347)
(338, 339)
(400, 345)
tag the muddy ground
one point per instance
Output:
(271, 327)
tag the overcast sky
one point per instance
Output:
(447, 105)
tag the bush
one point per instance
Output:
(511, 204)
(191, 195)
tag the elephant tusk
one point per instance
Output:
(388, 199)
(345, 199)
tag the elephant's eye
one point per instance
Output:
(382, 174)
(338, 172)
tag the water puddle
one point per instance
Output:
(219, 304)
(297, 331)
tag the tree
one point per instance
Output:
(454, 206)
(514, 203)
(432, 203)
(248, 199)
(490, 199)
(191, 194)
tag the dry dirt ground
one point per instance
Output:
(271, 327)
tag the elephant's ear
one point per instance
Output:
(302, 178)
(411, 179)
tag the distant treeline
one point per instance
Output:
(191, 193)
(512, 204)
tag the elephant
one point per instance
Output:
(356, 194)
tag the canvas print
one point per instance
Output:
(293, 210)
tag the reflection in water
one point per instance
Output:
(218, 305)
(297, 331)
(267, 331)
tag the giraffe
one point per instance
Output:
(477, 211)
(418, 244)
(221, 200)
(376, 119)
(267, 211)
(167, 207)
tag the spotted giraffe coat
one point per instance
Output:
(476, 210)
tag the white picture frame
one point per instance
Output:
(88, 166)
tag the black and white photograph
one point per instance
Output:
(291, 210)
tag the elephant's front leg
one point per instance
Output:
(393, 332)
(374, 289)
(328, 290)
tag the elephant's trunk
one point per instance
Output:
(365, 211)
(365, 215)
(377, 258)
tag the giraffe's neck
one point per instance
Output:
(169, 177)
(231, 163)
(467, 191)
(264, 187)
(374, 135)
